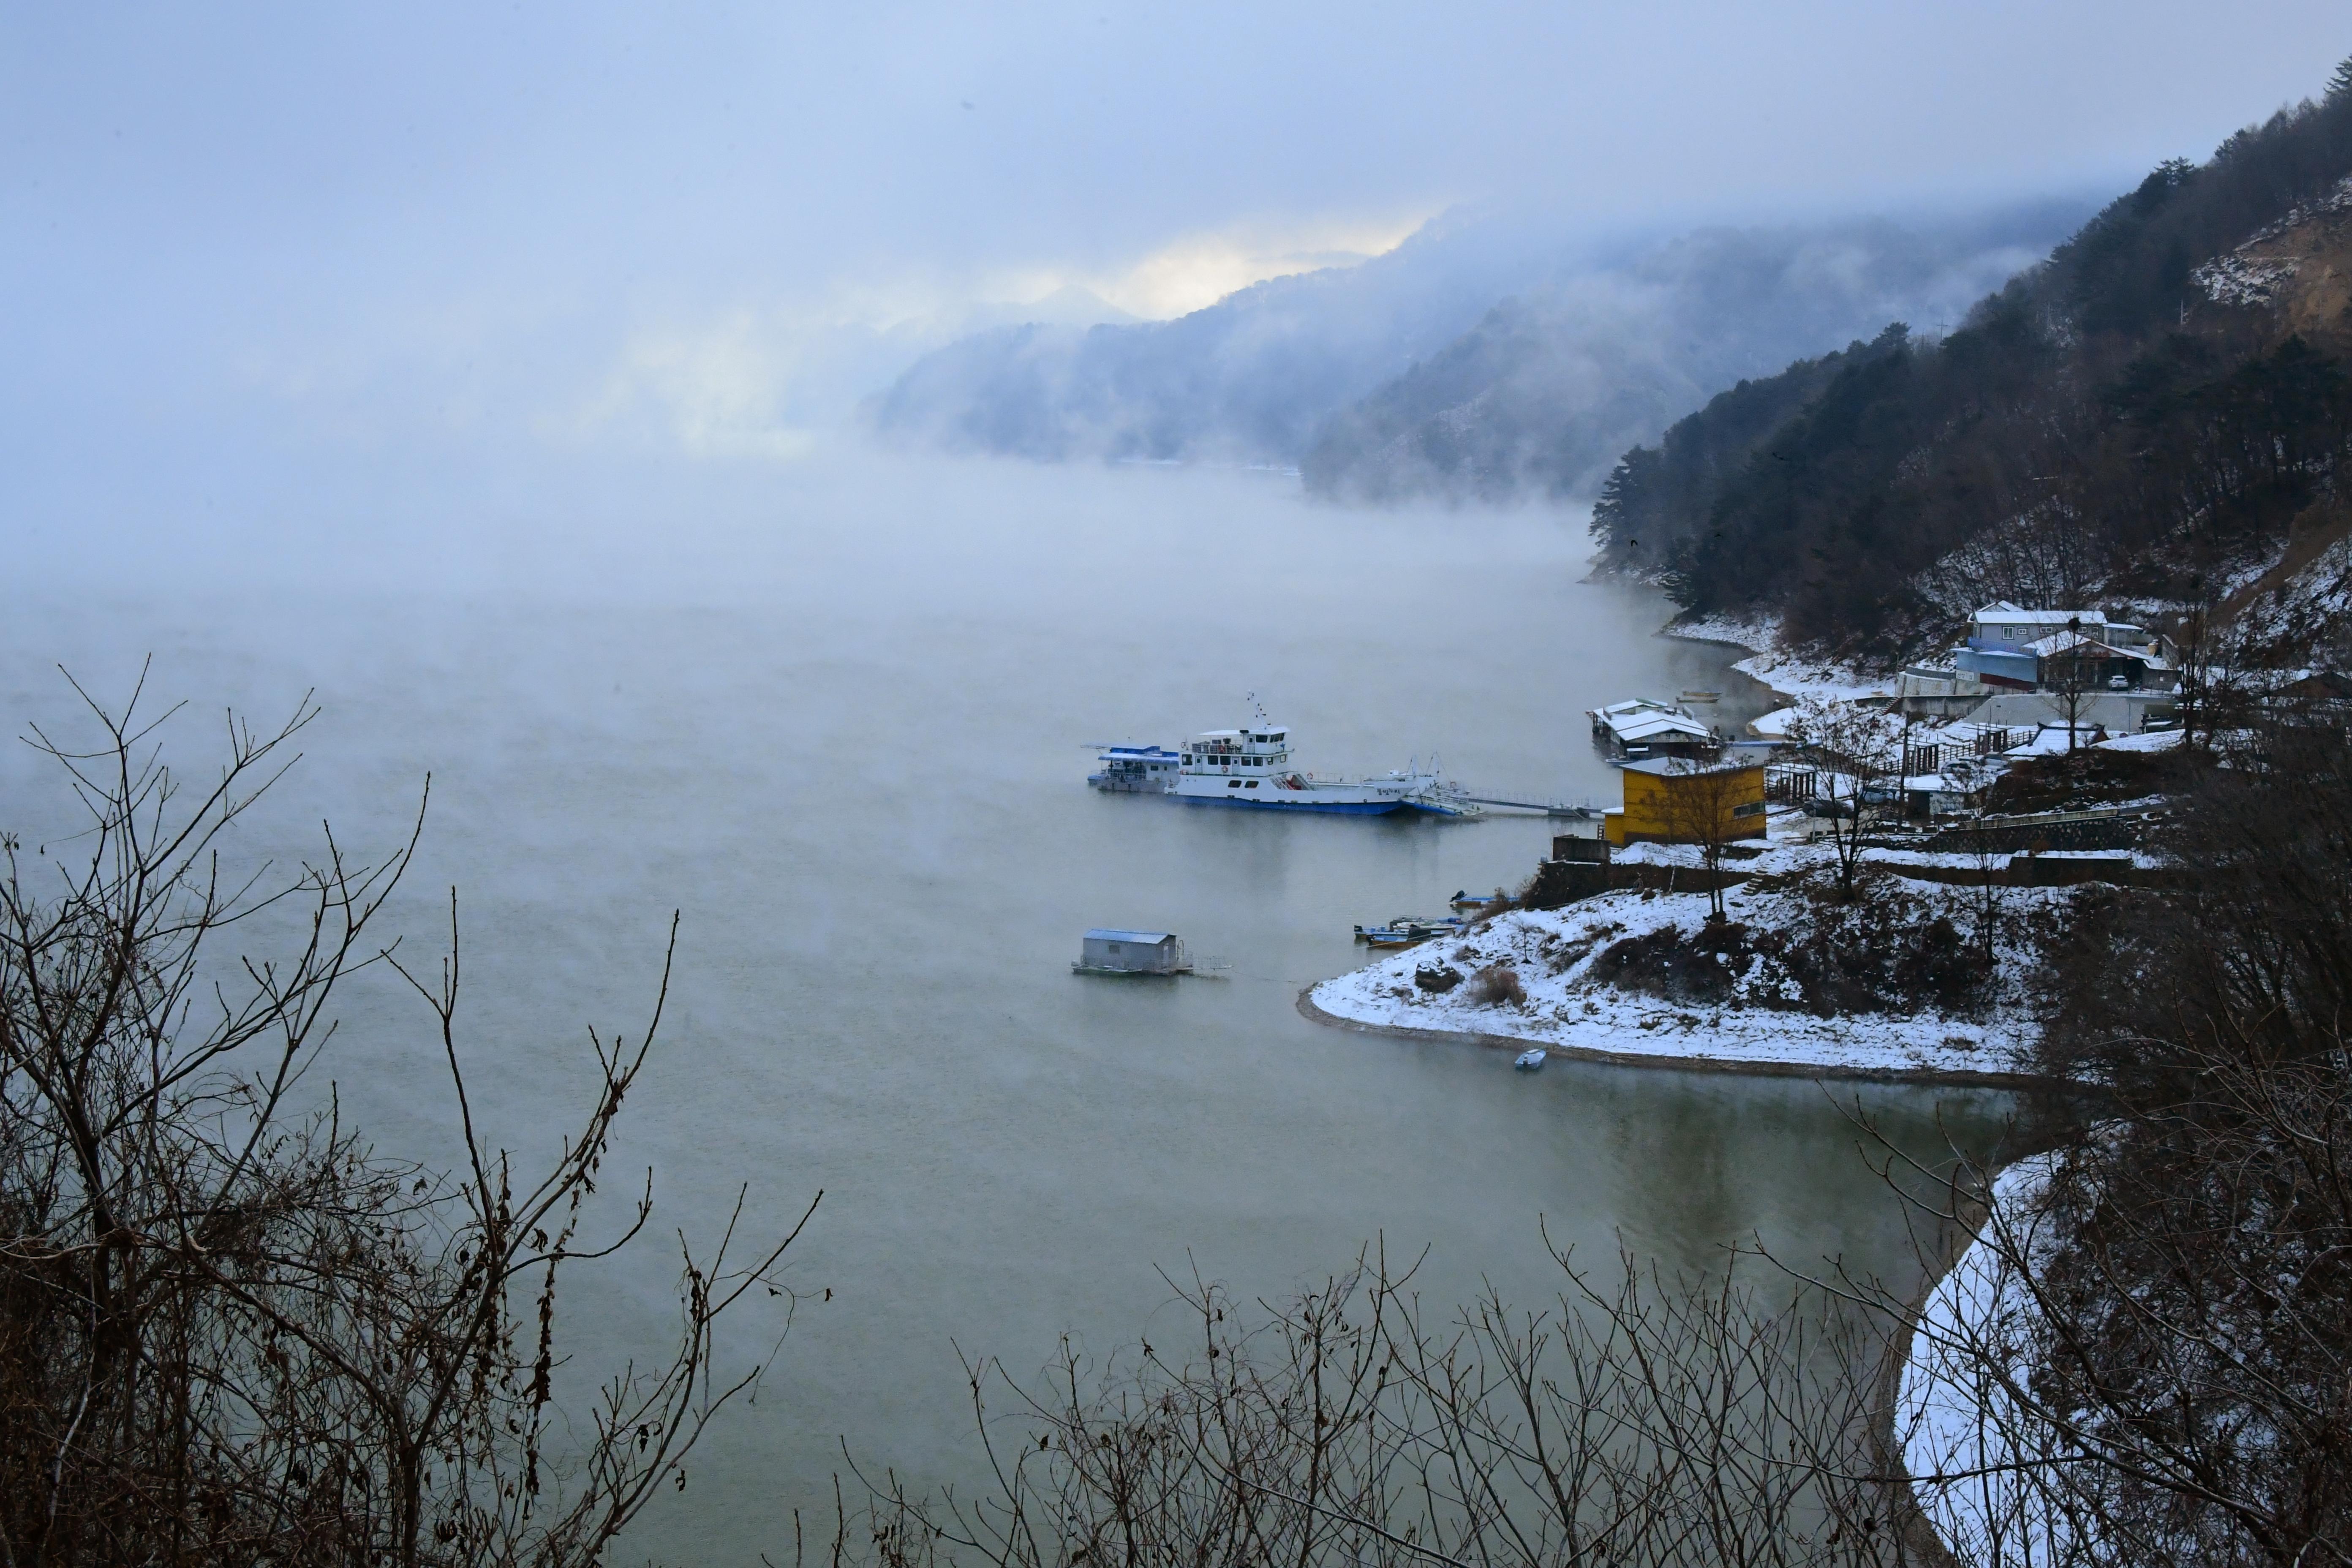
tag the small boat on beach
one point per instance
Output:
(1404, 931)
(1530, 1059)
(1468, 901)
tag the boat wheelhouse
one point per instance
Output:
(1135, 770)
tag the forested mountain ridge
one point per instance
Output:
(1243, 380)
(2143, 418)
(1595, 345)
(1539, 397)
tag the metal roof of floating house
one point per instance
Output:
(1640, 722)
(1106, 934)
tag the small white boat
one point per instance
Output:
(1530, 1059)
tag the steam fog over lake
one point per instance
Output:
(836, 712)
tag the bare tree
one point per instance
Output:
(1991, 867)
(230, 1329)
(2218, 674)
(1638, 1420)
(1853, 746)
(2193, 648)
(1698, 807)
(2071, 681)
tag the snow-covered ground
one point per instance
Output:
(1762, 1026)
(1797, 678)
(1981, 1467)
(1791, 678)
(1756, 635)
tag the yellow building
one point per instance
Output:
(1669, 801)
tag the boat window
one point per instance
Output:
(1236, 784)
(1252, 783)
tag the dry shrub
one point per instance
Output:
(1497, 985)
(232, 1331)
(1636, 1420)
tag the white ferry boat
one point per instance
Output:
(1251, 767)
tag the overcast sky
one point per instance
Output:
(298, 199)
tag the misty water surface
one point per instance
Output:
(836, 713)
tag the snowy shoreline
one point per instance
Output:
(1790, 679)
(1676, 1061)
(1758, 1020)
(1955, 1427)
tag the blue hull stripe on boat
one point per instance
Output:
(1364, 808)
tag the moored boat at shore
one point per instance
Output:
(1251, 767)
(1402, 930)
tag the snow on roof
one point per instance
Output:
(2152, 740)
(2007, 615)
(1961, 733)
(1148, 937)
(1655, 726)
(2050, 741)
(2059, 642)
(1946, 784)
(1675, 767)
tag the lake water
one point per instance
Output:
(839, 714)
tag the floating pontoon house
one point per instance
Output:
(1110, 951)
(1640, 728)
